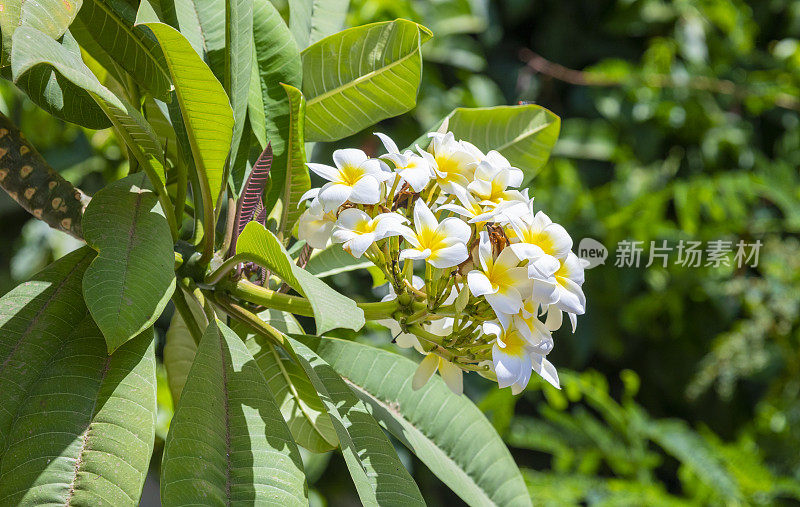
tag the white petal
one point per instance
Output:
(492, 328)
(546, 370)
(406, 340)
(509, 302)
(528, 251)
(340, 235)
(349, 156)
(554, 318)
(479, 284)
(333, 195)
(390, 145)
(324, 171)
(359, 244)
(351, 218)
(506, 367)
(417, 177)
(573, 320)
(425, 370)
(456, 229)
(571, 298)
(452, 375)
(308, 195)
(485, 250)
(423, 217)
(562, 242)
(366, 191)
(414, 254)
(450, 256)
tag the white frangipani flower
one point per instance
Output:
(410, 167)
(491, 185)
(542, 232)
(356, 178)
(513, 359)
(442, 245)
(451, 374)
(452, 162)
(315, 225)
(501, 281)
(357, 231)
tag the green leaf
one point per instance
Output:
(299, 403)
(446, 432)
(377, 472)
(37, 50)
(206, 111)
(46, 86)
(362, 75)
(525, 134)
(675, 437)
(130, 282)
(334, 260)
(52, 17)
(238, 58)
(255, 105)
(313, 20)
(77, 426)
(278, 61)
(331, 309)
(297, 180)
(179, 352)
(227, 442)
(107, 26)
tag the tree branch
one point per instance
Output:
(40, 190)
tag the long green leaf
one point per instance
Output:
(313, 20)
(299, 403)
(37, 50)
(362, 75)
(334, 260)
(130, 282)
(331, 309)
(179, 352)
(47, 87)
(297, 180)
(227, 441)
(278, 61)
(107, 26)
(377, 472)
(206, 111)
(447, 432)
(524, 134)
(76, 425)
(52, 17)
(239, 59)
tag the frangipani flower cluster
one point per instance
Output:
(496, 277)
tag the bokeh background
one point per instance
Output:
(679, 122)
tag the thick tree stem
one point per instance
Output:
(40, 190)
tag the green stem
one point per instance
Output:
(186, 314)
(297, 305)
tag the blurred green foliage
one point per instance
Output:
(680, 122)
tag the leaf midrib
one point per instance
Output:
(226, 408)
(363, 78)
(294, 392)
(132, 34)
(486, 498)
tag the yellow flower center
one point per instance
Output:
(540, 239)
(365, 226)
(350, 174)
(514, 343)
(430, 238)
(451, 167)
(562, 274)
(498, 277)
